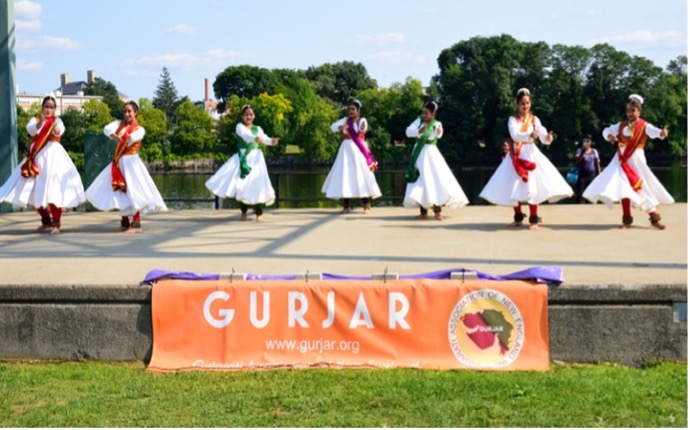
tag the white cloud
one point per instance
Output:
(645, 38)
(590, 12)
(27, 13)
(24, 66)
(382, 39)
(27, 9)
(47, 43)
(31, 24)
(140, 73)
(182, 29)
(397, 57)
(187, 60)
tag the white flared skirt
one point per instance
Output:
(254, 189)
(58, 182)
(141, 195)
(350, 176)
(436, 185)
(612, 185)
(545, 183)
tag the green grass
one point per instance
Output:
(293, 150)
(97, 394)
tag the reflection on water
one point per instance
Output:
(306, 184)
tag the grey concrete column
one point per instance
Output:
(8, 95)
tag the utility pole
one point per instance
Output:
(8, 95)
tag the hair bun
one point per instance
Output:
(356, 103)
(637, 98)
(523, 92)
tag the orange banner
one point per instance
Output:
(426, 324)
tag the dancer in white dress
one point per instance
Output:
(244, 176)
(126, 184)
(627, 178)
(352, 174)
(46, 178)
(526, 175)
(430, 182)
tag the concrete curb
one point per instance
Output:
(628, 324)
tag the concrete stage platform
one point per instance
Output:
(77, 295)
(584, 239)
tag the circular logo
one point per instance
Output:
(486, 329)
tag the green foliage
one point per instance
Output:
(111, 97)
(165, 97)
(75, 127)
(340, 82)
(156, 125)
(243, 81)
(389, 111)
(97, 394)
(23, 118)
(575, 90)
(194, 131)
(96, 115)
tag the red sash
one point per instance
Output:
(39, 141)
(522, 167)
(118, 179)
(627, 147)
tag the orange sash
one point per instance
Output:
(39, 141)
(118, 179)
(522, 167)
(627, 147)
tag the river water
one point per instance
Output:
(303, 188)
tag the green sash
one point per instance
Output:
(248, 147)
(412, 173)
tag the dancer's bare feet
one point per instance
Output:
(243, 217)
(43, 228)
(659, 225)
(533, 227)
(422, 216)
(132, 230)
(625, 226)
(515, 224)
(346, 211)
(438, 216)
(259, 218)
(55, 230)
(367, 211)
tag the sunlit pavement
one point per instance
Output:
(583, 239)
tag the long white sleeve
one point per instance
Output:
(31, 127)
(244, 133)
(543, 132)
(362, 125)
(412, 130)
(265, 139)
(518, 136)
(611, 129)
(337, 124)
(136, 135)
(439, 130)
(653, 132)
(59, 128)
(111, 128)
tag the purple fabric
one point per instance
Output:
(543, 274)
(360, 144)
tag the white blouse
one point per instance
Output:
(414, 132)
(360, 125)
(651, 131)
(32, 127)
(136, 136)
(246, 134)
(514, 126)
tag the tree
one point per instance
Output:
(23, 118)
(156, 125)
(165, 97)
(75, 127)
(339, 82)
(243, 81)
(111, 97)
(96, 115)
(194, 132)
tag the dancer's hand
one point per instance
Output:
(535, 134)
(275, 141)
(423, 129)
(612, 138)
(664, 133)
(549, 137)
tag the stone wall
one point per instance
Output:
(598, 323)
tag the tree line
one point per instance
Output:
(576, 91)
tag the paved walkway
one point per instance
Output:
(583, 239)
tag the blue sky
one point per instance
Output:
(130, 42)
